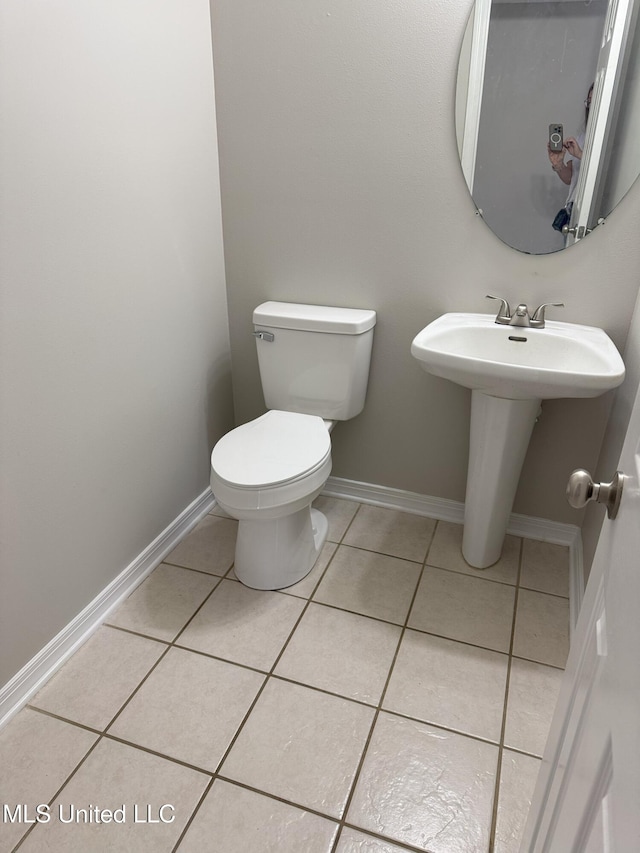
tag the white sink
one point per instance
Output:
(509, 369)
(519, 363)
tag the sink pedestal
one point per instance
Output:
(509, 369)
(500, 433)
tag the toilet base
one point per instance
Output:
(275, 553)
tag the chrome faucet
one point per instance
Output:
(521, 316)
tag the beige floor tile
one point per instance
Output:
(95, 683)
(37, 754)
(542, 628)
(232, 818)
(339, 514)
(305, 587)
(427, 787)
(162, 605)
(420, 785)
(545, 567)
(189, 708)
(353, 841)
(446, 553)
(464, 608)
(372, 584)
(517, 782)
(389, 531)
(533, 693)
(449, 684)
(340, 652)
(113, 776)
(210, 547)
(301, 745)
(248, 626)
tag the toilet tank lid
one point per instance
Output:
(314, 318)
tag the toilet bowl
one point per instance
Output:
(314, 367)
(266, 473)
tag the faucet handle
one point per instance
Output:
(504, 312)
(537, 319)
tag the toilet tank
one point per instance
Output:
(314, 359)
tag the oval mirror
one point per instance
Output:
(535, 76)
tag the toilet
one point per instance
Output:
(314, 368)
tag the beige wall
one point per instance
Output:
(114, 353)
(341, 185)
(614, 437)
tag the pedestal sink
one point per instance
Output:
(510, 370)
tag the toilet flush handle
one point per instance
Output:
(264, 336)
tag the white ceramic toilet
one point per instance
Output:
(314, 367)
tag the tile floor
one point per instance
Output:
(393, 700)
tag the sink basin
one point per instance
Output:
(519, 363)
(509, 369)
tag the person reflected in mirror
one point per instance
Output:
(568, 171)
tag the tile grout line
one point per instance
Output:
(281, 678)
(401, 845)
(195, 811)
(60, 789)
(261, 690)
(101, 733)
(341, 610)
(104, 733)
(217, 775)
(378, 709)
(271, 675)
(308, 600)
(516, 586)
(496, 792)
(169, 565)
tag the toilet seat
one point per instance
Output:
(272, 466)
(276, 449)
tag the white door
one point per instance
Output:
(608, 80)
(588, 794)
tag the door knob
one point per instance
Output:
(578, 231)
(581, 489)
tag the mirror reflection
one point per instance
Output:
(548, 116)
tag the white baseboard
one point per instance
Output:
(443, 509)
(34, 674)
(32, 677)
(368, 493)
